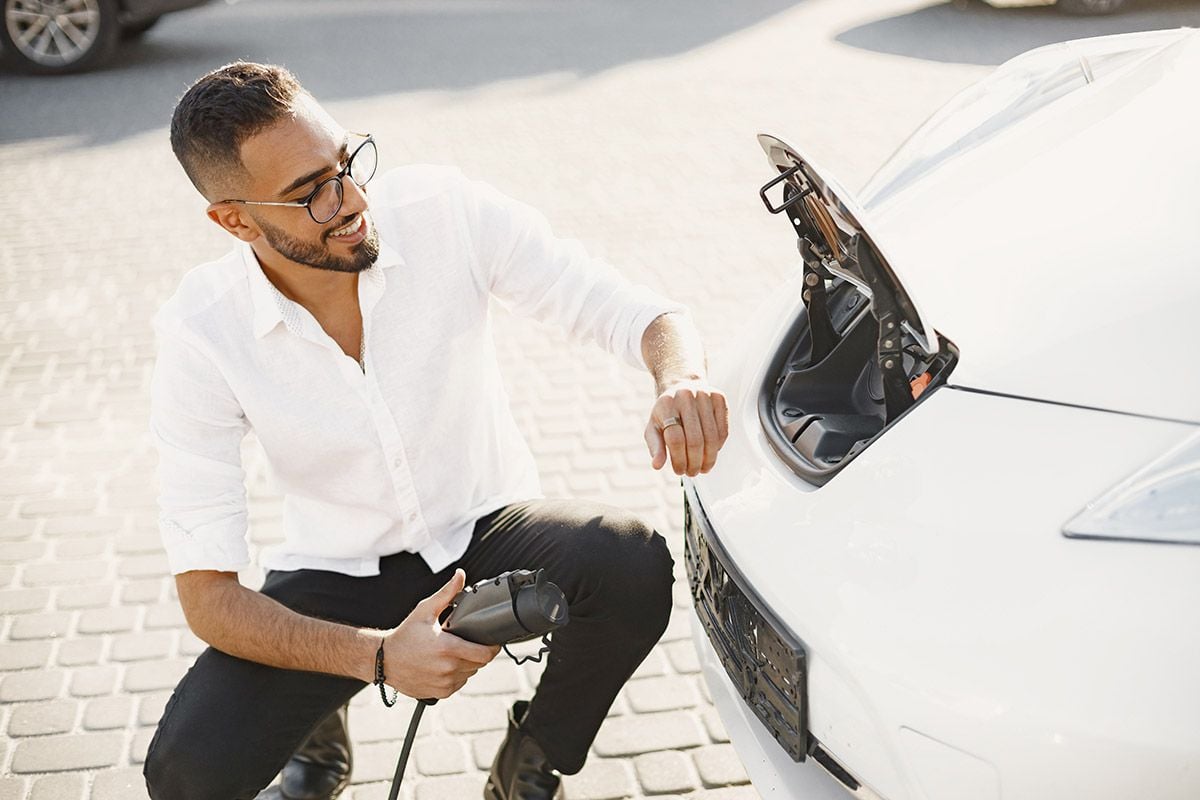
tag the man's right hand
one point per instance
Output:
(423, 661)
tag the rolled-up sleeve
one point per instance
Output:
(198, 426)
(534, 273)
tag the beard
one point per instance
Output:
(361, 257)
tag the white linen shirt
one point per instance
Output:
(407, 455)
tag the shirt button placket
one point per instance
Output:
(392, 442)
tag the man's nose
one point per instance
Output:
(354, 197)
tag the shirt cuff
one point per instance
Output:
(219, 546)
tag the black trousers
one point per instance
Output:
(231, 724)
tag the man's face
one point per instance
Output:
(285, 163)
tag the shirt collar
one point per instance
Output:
(271, 307)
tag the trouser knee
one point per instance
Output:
(638, 578)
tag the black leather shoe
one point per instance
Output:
(320, 769)
(521, 771)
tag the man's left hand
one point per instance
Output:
(689, 422)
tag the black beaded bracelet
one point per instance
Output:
(380, 677)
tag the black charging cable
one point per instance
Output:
(514, 607)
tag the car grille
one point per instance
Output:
(763, 659)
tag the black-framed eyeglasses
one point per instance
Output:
(325, 201)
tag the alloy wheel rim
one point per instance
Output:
(52, 32)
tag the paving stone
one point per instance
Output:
(141, 646)
(501, 676)
(140, 745)
(719, 765)
(76, 652)
(190, 644)
(683, 657)
(57, 506)
(119, 784)
(462, 714)
(65, 786)
(150, 707)
(599, 780)
(64, 572)
(139, 543)
(376, 761)
(80, 548)
(380, 790)
(93, 681)
(40, 626)
(108, 620)
(665, 771)
(714, 725)
(16, 529)
(148, 676)
(452, 787)
(165, 615)
(142, 590)
(12, 789)
(87, 525)
(24, 655)
(440, 756)
(71, 752)
(97, 595)
(105, 713)
(632, 735)
(39, 684)
(679, 626)
(661, 694)
(654, 664)
(21, 552)
(19, 601)
(37, 719)
(728, 793)
(153, 565)
(484, 747)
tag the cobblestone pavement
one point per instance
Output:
(631, 124)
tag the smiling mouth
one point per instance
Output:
(349, 230)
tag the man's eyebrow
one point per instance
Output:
(312, 176)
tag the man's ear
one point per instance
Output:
(232, 218)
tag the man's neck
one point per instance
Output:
(317, 290)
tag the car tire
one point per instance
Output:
(136, 29)
(67, 35)
(1090, 7)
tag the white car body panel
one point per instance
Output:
(958, 645)
(1062, 188)
(964, 622)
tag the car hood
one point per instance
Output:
(1047, 221)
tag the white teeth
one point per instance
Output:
(351, 228)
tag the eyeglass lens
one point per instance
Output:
(326, 203)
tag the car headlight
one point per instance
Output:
(1158, 503)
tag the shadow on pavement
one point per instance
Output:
(972, 32)
(353, 49)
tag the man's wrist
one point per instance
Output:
(662, 384)
(366, 647)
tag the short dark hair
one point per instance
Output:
(220, 111)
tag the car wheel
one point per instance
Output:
(1090, 7)
(138, 28)
(58, 36)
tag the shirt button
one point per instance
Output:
(412, 517)
(397, 461)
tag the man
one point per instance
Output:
(353, 337)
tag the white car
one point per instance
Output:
(949, 551)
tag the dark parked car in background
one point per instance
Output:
(57, 36)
